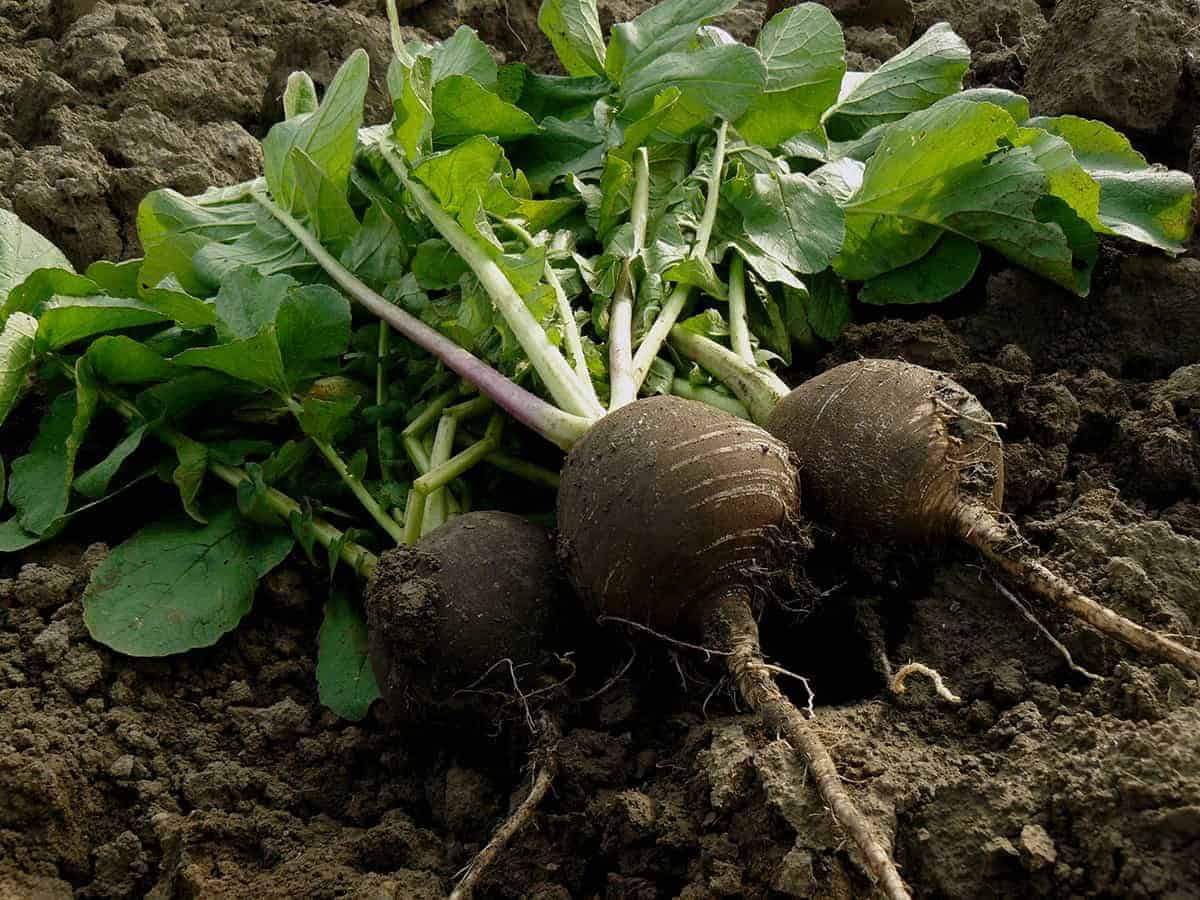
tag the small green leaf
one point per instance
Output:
(322, 419)
(944, 271)
(118, 359)
(320, 204)
(412, 123)
(328, 135)
(256, 360)
(22, 252)
(661, 29)
(463, 53)
(94, 483)
(805, 55)
(828, 305)
(791, 218)
(345, 680)
(175, 586)
(299, 96)
(573, 27)
(189, 474)
(462, 108)
(117, 279)
(931, 68)
(248, 302)
(17, 353)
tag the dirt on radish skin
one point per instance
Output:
(461, 622)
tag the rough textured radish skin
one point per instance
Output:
(483, 588)
(667, 505)
(890, 451)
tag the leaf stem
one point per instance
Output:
(358, 557)
(381, 391)
(381, 516)
(443, 447)
(570, 327)
(438, 476)
(739, 322)
(656, 335)
(760, 389)
(681, 387)
(550, 422)
(550, 365)
(623, 383)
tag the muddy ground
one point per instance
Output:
(218, 774)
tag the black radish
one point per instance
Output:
(681, 518)
(894, 452)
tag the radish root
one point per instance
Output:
(520, 817)
(916, 668)
(733, 625)
(995, 540)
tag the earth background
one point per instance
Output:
(218, 774)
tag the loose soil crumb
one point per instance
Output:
(218, 774)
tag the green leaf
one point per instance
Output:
(714, 82)
(412, 123)
(573, 27)
(460, 176)
(320, 204)
(462, 108)
(299, 96)
(791, 218)
(436, 265)
(378, 253)
(256, 360)
(94, 483)
(698, 273)
(188, 476)
(551, 95)
(828, 306)
(661, 29)
(117, 279)
(175, 586)
(39, 485)
(22, 252)
(268, 248)
(1145, 203)
(345, 680)
(248, 302)
(928, 70)
(67, 320)
(805, 55)
(16, 356)
(13, 537)
(322, 419)
(30, 295)
(172, 228)
(118, 359)
(953, 167)
(312, 328)
(328, 135)
(943, 271)
(463, 53)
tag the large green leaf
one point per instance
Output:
(717, 81)
(543, 95)
(952, 167)
(463, 53)
(661, 29)
(172, 228)
(943, 271)
(328, 135)
(175, 586)
(16, 356)
(462, 107)
(44, 284)
(23, 251)
(791, 218)
(1145, 203)
(248, 302)
(313, 329)
(65, 321)
(928, 70)
(573, 27)
(119, 359)
(322, 205)
(805, 55)
(345, 680)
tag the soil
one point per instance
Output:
(218, 774)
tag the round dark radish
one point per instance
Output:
(480, 595)
(893, 452)
(681, 518)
